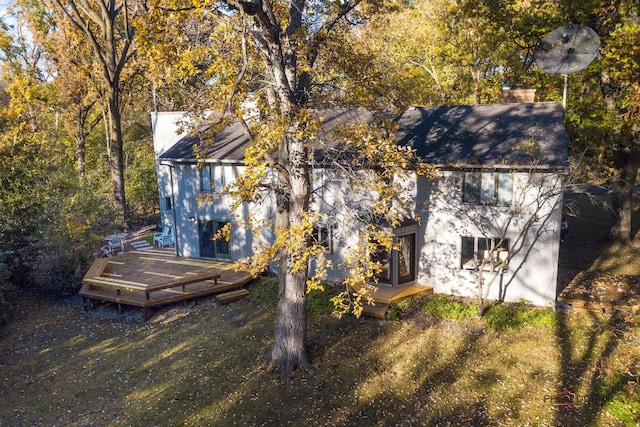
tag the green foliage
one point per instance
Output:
(6, 288)
(447, 308)
(263, 291)
(498, 317)
(401, 309)
(140, 182)
(319, 301)
(60, 272)
(501, 317)
(621, 396)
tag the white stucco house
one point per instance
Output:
(498, 191)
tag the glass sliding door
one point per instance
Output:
(212, 245)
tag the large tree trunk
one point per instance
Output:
(289, 347)
(627, 162)
(116, 157)
(98, 21)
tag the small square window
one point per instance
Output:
(491, 253)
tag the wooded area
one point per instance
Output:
(79, 78)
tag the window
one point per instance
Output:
(215, 176)
(490, 252)
(323, 234)
(212, 244)
(406, 258)
(488, 188)
(398, 266)
(167, 204)
(205, 178)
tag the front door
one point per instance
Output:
(399, 266)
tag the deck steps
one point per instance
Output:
(232, 296)
(378, 310)
(384, 297)
(141, 245)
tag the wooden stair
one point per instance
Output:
(232, 296)
(378, 310)
(385, 296)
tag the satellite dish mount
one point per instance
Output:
(567, 50)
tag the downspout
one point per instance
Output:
(169, 164)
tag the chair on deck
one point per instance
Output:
(164, 239)
(115, 242)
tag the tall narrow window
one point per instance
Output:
(398, 266)
(472, 187)
(323, 234)
(167, 204)
(406, 258)
(222, 244)
(205, 178)
(504, 191)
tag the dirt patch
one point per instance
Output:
(604, 289)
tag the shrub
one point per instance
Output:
(621, 396)
(264, 292)
(60, 273)
(399, 310)
(447, 308)
(501, 317)
(319, 301)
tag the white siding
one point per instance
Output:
(532, 272)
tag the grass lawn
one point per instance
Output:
(204, 365)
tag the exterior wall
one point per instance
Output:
(532, 271)
(341, 201)
(189, 212)
(165, 135)
(444, 220)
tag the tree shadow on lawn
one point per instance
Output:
(360, 381)
(203, 366)
(587, 344)
(433, 373)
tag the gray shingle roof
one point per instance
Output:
(486, 135)
(483, 135)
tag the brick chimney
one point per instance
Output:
(516, 95)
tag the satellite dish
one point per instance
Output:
(567, 50)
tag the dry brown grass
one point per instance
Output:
(204, 365)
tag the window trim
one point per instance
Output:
(390, 260)
(217, 176)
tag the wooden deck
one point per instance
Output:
(152, 278)
(386, 295)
